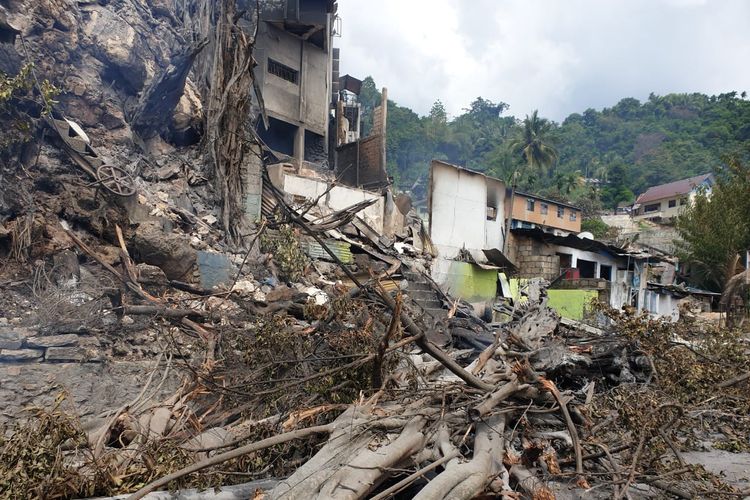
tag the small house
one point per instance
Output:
(666, 201)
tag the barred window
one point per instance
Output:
(283, 71)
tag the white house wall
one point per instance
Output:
(458, 210)
(589, 256)
(662, 304)
(493, 229)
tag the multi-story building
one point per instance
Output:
(294, 54)
(531, 211)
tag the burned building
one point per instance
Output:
(294, 54)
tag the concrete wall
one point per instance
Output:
(459, 200)
(458, 210)
(368, 152)
(466, 281)
(534, 257)
(338, 198)
(620, 289)
(282, 98)
(253, 179)
(549, 219)
(661, 304)
(493, 229)
(571, 304)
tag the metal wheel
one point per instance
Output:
(115, 180)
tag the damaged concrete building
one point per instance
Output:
(467, 217)
(294, 52)
(466, 220)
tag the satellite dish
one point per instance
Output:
(586, 235)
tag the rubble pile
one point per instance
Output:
(145, 346)
(330, 379)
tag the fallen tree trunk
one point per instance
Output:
(223, 457)
(467, 480)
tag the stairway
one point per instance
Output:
(422, 293)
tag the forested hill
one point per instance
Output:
(609, 155)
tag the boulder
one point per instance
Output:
(118, 46)
(153, 245)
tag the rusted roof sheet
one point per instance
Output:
(673, 189)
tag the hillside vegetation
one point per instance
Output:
(604, 157)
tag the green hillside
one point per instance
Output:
(605, 156)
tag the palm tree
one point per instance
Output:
(566, 183)
(533, 145)
(534, 148)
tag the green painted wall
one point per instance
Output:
(571, 304)
(471, 283)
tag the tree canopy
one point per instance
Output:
(715, 229)
(611, 155)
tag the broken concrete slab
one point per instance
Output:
(21, 355)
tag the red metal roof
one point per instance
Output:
(672, 189)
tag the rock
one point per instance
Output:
(127, 320)
(66, 269)
(3, 321)
(67, 339)
(187, 120)
(93, 388)
(245, 286)
(280, 293)
(152, 278)
(20, 355)
(172, 253)
(13, 337)
(70, 355)
(118, 46)
(10, 340)
(120, 349)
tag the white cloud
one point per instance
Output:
(558, 57)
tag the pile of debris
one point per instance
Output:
(337, 384)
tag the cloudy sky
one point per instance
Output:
(558, 56)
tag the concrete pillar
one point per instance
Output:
(299, 145)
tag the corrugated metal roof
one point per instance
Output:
(340, 249)
(673, 189)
